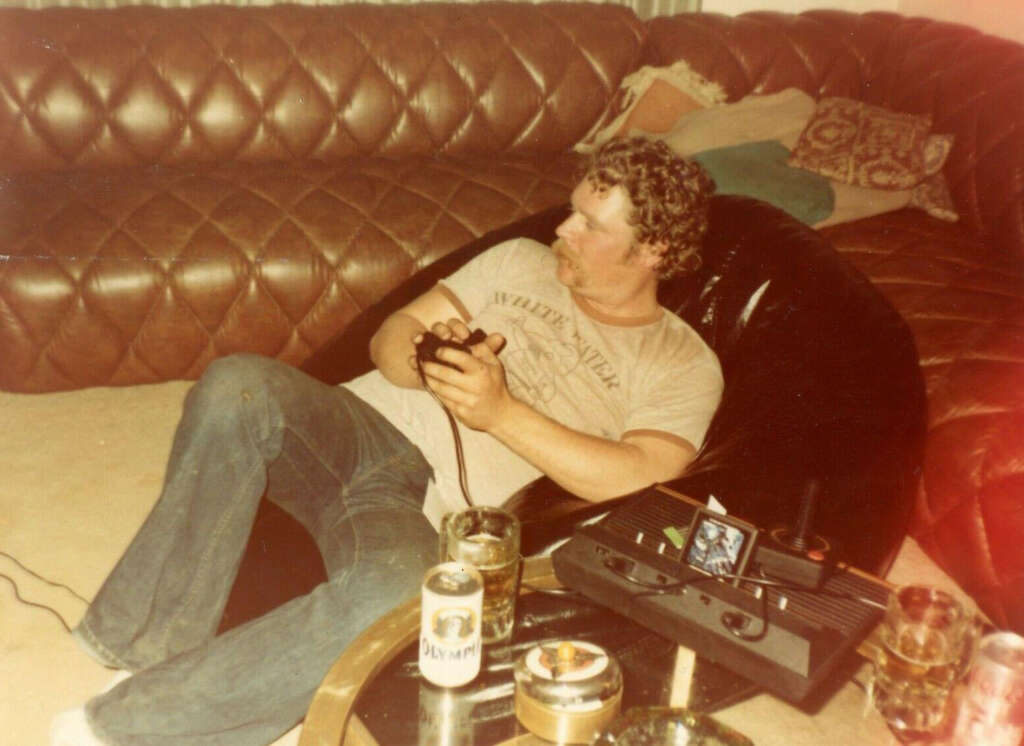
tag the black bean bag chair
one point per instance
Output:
(823, 392)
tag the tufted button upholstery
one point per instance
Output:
(142, 85)
(147, 224)
(148, 274)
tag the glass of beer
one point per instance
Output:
(926, 636)
(488, 539)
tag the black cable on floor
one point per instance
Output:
(49, 582)
(54, 584)
(44, 607)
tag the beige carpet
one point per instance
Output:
(78, 473)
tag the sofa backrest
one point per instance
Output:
(970, 84)
(90, 88)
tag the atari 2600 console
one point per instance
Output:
(775, 611)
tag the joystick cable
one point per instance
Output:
(460, 457)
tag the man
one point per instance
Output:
(583, 377)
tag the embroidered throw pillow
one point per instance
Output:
(936, 150)
(864, 145)
(932, 195)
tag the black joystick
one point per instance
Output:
(798, 555)
(800, 540)
(426, 350)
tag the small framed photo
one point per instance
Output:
(719, 544)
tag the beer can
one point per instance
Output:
(992, 710)
(450, 612)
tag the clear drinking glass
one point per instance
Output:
(926, 637)
(488, 539)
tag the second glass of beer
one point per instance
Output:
(927, 637)
(488, 539)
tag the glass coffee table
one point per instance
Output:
(373, 694)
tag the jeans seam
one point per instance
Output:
(357, 546)
(107, 656)
(397, 456)
(309, 487)
(202, 563)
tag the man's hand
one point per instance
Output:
(393, 346)
(474, 391)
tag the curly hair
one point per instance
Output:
(671, 197)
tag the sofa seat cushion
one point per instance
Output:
(965, 308)
(121, 277)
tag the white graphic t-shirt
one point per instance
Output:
(601, 378)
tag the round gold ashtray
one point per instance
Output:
(567, 691)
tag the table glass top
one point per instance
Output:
(400, 707)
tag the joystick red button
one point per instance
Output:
(816, 554)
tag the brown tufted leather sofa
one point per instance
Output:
(180, 184)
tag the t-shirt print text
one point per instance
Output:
(544, 350)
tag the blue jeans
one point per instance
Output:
(337, 466)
